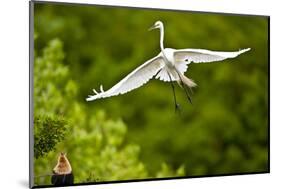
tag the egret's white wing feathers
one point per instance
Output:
(135, 79)
(202, 55)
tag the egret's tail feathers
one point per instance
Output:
(188, 82)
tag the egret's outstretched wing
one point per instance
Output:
(202, 55)
(135, 79)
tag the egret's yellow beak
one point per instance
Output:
(152, 28)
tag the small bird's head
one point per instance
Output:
(62, 157)
(157, 24)
(63, 166)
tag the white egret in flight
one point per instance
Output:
(168, 66)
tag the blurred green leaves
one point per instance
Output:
(49, 124)
(167, 171)
(49, 131)
(95, 144)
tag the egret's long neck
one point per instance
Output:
(162, 38)
(162, 42)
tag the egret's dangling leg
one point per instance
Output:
(186, 91)
(184, 87)
(177, 106)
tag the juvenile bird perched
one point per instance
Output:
(62, 172)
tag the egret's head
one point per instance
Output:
(156, 25)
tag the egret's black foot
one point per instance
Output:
(177, 107)
(189, 99)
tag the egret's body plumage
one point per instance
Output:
(168, 66)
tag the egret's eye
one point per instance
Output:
(157, 23)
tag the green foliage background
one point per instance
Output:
(138, 135)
